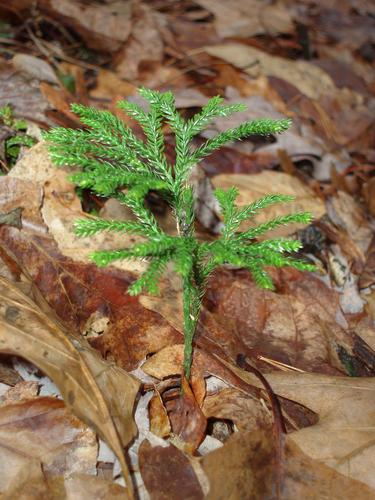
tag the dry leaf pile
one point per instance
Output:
(281, 398)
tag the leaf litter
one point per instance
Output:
(313, 338)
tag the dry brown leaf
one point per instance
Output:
(145, 44)
(109, 85)
(187, 419)
(43, 434)
(83, 487)
(167, 363)
(8, 375)
(253, 187)
(159, 421)
(28, 104)
(248, 18)
(168, 474)
(245, 468)
(74, 288)
(301, 325)
(26, 389)
(103, 26)
(344, 436)
(232, 404)
(350, 216)
(35, 67)
(367, 277)
(59, 207)
(309, 79)
(86, 382)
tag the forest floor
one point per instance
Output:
(90, 378)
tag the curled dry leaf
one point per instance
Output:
(232, 404)
(39, 439)
(159, 421)
(343, 435)
(86, 382)
(187, 419)
(82, 487)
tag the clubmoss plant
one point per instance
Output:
(114, 162)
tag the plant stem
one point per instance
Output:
(191, 310)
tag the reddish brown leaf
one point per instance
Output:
(168, 474)
(187, 419)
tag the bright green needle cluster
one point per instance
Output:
(113, 161)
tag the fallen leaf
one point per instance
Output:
(187, 419)
(60, 100)
(28, 104)
(248, 18)
(309, 79)
(343, 438)
(245, 468)
(12, 218)
(81, 487)
(301, 325)
(145, 44)
(103, 26)
(38, 435)
(85, 380)
(167, 363)
(109, 85)
(25, 389)
(159, 421)
(347, 214)
(234, 405)
(367, 277)
(168, 473)
(8, 375)
(35, 67)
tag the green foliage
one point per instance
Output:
(18, 136)
(112, 161)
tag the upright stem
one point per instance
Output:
(191, 299)
(191, 308)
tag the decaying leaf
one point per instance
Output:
(168, 473)
(245, 468)
(309, 79)
(85, 380)
(248, 18)
(40, 437)
(74, 288)
(145, 43)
